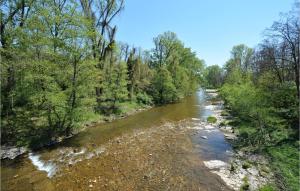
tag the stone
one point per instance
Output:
(204, 137)
(213, 164)
(11, 152)
(229, 136)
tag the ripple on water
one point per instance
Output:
(49, 167)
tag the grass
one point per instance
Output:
(211, 119)
(285, 163)
(268, 187)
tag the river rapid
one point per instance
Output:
(163, 148)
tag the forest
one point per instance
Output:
(61, 67)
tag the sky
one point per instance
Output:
(209, 27)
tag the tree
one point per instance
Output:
(214, 76)
(163, 89)
(287, 34)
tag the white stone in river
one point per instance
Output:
(204, 137)
(209, 107)
(213, 164)
(196, 127)
(209, 131)
(209, 127)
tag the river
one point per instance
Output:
(151, 150)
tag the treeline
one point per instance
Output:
(261, 87)
(61, 66)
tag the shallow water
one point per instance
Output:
(35, 171)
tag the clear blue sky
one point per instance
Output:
(210, 27)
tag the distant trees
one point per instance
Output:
(177, 69)
(214, 76)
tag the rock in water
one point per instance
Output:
(213, 164)
(12, 152)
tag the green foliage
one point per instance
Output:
(177, 69)
(285, 163)
(127, 107)
(114, 87)
(232, 167)
(211, 119)
(60, 69)
(143, 98)
(245, 186)
(246, 165)
(267, 116)
(163, 89)
(224, 113)
(267, 188)
(213, 76)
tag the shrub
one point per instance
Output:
(245, 185)
(143, 98)
(246, 165)
(211, 119)
(224, 113)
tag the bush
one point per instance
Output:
(143, 98)
(211, 119)
(245, 185)
(232, 167)
(246, 165)
(224, 113)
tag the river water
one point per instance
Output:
(67, 165)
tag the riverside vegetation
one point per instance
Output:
(61, 68)
(260, 88)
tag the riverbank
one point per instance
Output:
(245, 170)
(11, 152)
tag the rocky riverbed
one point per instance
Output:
(161, 158)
